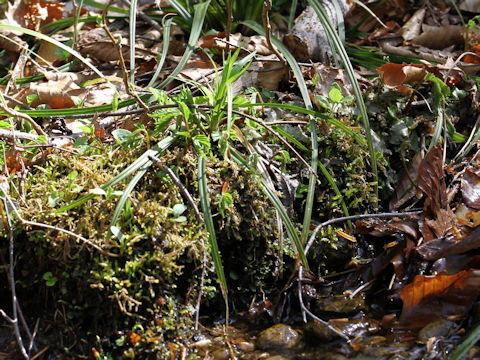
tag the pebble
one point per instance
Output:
(277, 337)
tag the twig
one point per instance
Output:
(10, 134)
(11, 278)
(181, 187)
(267, 6)
(356, 217)
(118, 46)
(17, 102)
(229, 23)
(199, 218)
(24, 116)
(56, 228)
(312, 315)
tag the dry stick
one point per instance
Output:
(118, 46)
(199, 218)
(229, 23)
(18, 114)
(56, 228)
(10, 134)
(267, 6)
(16, 102)
(11, 279)
(17, 70)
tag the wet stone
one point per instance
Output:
(245, 346)
(439, 328)
(279, 336)
(339, 304)
(221, 354)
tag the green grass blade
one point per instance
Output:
(335, 39)
(313, 113)
(66, 22)
(340, 21)
(334, 186)
(197, 24)
(54, 42)
(313, 132)
(75, 20)
(131, 40)
(466, 345)
(272, 196)
(204, 199)
(181, 11)
(126, 193)
(291, 18)
(143, 162)
(101, 6)
(166, 42)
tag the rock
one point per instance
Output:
(439, 328)
(221, 354)
(245, 346)
(279, 336)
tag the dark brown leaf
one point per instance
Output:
(430, 181)
(471, 189)
(438, 248)
(441, 296)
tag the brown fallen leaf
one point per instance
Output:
(439, 248)
(430, 180)
(397, 75)
(440, 37)
(471, 189)
(406, 188)
(430, 298)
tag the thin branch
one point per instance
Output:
(181, 187)
(199, 218)
(11, 134)
(24, 116)
(356, 217)
(56, 228)
(118, 46)
(312, 315)
(267, 6)
(11, 279)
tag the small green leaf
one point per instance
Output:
(121, 135)
(179, 209)
(49, 278)
(54, 198)
(98, 191)
(5, 125)
(335, 93)
(117, 233)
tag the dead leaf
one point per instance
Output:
(430, 298)
(471, 189)
(440, 37)
(134, 338)
(430, 180)
(406, 189)
(439, 248)
(397, 75)
(412, 28)
(33, 14)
